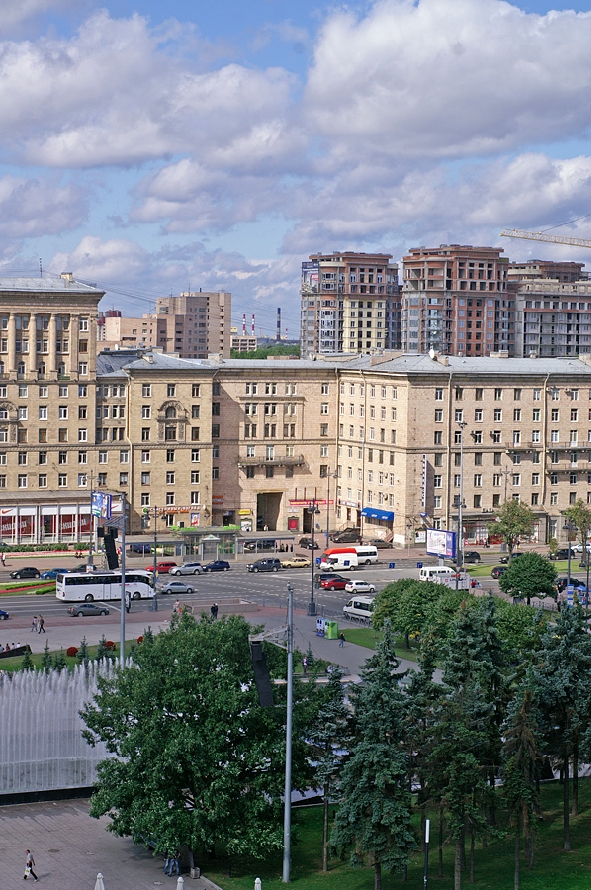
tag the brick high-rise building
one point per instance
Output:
(455, 301)
(349, 303)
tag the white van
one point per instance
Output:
(366, 554)
(359, 607)
(435, 573)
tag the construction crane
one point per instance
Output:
(542, 236)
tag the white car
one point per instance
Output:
(187, 568)
(578, 548)
(360, 586)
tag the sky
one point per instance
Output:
(152, 148)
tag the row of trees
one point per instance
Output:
(198, 762)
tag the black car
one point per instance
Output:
(219, 565)
(265, 565)
(26, 572)
(471, 557)
(497, 571)
(507, 558)
(562, 554)
(309, 544)
(346, 536)
(562, 584)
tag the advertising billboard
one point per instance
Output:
(441, 543)
(102, 505)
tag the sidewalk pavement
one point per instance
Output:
(70, 849)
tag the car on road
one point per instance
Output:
(86, 610)
(143, 549)
(84, 567)
(165, 566)
(176, 587)
(578, 548)
(3, 615)
(296, 562)
(51, 574)
(309, 544)
(218, 565)
(471, 557)
(259, 544)
(360, 586)
(562, 584)
(26, 572)
(335, 583)
(346, 536)
(562, 553)
(380, 543)
(497, 571)
(504, 560)
(187, 568)
(265, 565)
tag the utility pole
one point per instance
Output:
(91, 532)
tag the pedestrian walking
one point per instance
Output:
(34, 624)
(341, 640)
(3, 559)
(41, 624)
(305, 665)
(214, 610)
(177, 607)
(29, 866)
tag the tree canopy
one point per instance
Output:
(530, 575)
(513, 521)
(197, 760)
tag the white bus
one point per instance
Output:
(73, 587)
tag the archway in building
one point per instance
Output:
(268, 508)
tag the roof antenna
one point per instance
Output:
(41, 266)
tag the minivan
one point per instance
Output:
(359, 607)
(435, 573)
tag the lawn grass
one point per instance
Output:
(553, 868)
(24, 588)
(15, 664)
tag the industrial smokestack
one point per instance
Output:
(253, 333)
(278, 337)
(244, 324)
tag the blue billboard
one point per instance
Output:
(441, 543)
(102, 504)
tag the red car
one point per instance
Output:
(163, 567)
(333, 583)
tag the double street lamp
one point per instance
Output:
(570, 527)
(314, 511)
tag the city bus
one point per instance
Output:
(72, 587)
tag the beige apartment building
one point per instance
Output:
(386, 442)
(192, 325)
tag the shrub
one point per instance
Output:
(110, 644)
(140, 639)
(71, 651)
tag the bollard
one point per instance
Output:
(180, 884)
(257, 884)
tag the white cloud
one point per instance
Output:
(441, 79)
(33, 207)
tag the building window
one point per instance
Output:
(216, 409)
(438, 438)
(215, 430)
(145, 478)
(62, 480)
(145, 434)
(170, 432)
(215, 473)
(195, 455)
(169, 498)
(250, 472)
(195, 498)
(439, 394)
(437, 481)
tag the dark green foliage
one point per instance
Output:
(82, 656)
(514, 520)
(263, 351)
(46, 662)
(103, 651)
(373, 820)
(27, 662)
(58, 661)
(199, 762)
(530, 575)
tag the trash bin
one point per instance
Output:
(331, 630)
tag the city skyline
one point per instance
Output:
(153, 152)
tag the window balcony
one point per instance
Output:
(280, 460)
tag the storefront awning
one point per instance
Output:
(372, 513)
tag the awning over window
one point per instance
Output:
(373, 513)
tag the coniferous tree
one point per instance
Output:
(46, 661)
(330, 736)
(373, 820)
(27, 662)
(82, 656)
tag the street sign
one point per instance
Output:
(419, 565)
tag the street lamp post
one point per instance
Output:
(570, 527)
(460, 542)
(335, 476)
(313, 511)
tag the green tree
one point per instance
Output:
(329, 736)
(197, 761)
(82, 656)
(513, 521)
(373, 819)
(406, 603)
(580, 514)
(27, 662)
(530, 575)
(46, 661)
(562, 672)
(521, 754)
(519, 629)
(103, 651)
(288, 350)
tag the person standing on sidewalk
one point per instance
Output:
(3, 558)
(29, 866)
(341, 640)
(41, 624)
(34, 624)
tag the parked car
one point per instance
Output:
(84, 567)
(562, 553)
(497, 571)
(578, 548)
(346, 536)
(562, 584)
(265, 565)
(26, 572)
(3, 615)
(218, 565)
(187, 568)
(259, 544)
(143, 549)
(85, 610)
(296, 562)
(335, 583)
(309, 544)
(471, 557)
(360, 586)
(176, 587)
(380, 543)
(507, 557)
(51, 574)
(319, 577)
